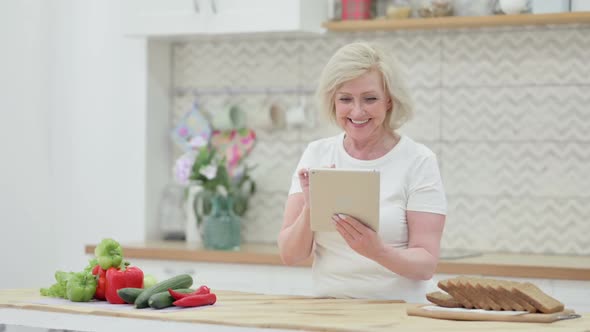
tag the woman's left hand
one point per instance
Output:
(359, 237)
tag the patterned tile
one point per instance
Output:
(528, 225)
(237, 63)
(263, 222)
(427, 116)
(468, 226)
(529, 113)
(517, 169)
(527, 57)
(504, 109)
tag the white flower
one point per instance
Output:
(197, 142)
(209, 171)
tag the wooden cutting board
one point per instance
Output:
(479, 316)
(292, 312)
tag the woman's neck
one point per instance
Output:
(371, 148)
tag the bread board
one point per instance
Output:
(482, 315)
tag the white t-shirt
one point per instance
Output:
(410, 180)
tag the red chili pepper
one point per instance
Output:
(101, 282)
(123, 278)
(196, 300)
(177, 296)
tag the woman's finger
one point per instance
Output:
(343, 232)
(303, 173)
(349, 224)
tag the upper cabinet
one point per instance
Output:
(169, 18)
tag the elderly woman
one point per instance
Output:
(361, 89)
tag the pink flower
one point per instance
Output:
(182, 131)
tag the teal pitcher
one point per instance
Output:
(221, 227)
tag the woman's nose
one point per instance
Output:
(357, 109)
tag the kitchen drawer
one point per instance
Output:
(574, 294)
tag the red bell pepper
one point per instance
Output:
(177, 296)
(122, 278)
(101, 282)
(196, 300)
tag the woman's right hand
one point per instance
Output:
(304, 182)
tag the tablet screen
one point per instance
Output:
(353, 192)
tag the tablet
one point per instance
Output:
(353, 192)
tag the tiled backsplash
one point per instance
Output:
(506, 110)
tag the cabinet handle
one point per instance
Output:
(196, 6)
(214, 6)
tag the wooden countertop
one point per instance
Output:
(262, 311)
(489, 264)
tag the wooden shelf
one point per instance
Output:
(455, 22)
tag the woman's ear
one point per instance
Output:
(390, 104)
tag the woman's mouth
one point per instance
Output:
(358, 123)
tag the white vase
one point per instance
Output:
(192, 231)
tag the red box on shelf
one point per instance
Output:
(356, 9)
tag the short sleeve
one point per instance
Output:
(426, 191)
(304, 162)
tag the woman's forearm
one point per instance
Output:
(296, 241)
(412, 263)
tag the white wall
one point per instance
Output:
(73, 129)
(25, 215)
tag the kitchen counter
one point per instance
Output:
(238, 311)
(488, 264)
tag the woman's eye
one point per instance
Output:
(371, 99)
(345, 99)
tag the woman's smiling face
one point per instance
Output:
(361, 106)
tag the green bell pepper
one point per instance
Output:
(59, 288)
(109, 254)
(81, 287)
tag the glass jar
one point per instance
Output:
(398, 9)
(473, 7)
(432, 8)
(511, 7)
(171, 213)
(221, 227)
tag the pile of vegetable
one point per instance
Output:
(109, 277)
(171, 292)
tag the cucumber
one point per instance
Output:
(129, 294)
(177, 282)
(164, 299)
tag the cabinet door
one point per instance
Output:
(575, 294)
(165, 17)
(239, 16)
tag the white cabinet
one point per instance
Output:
(153, 18)
(265, 279)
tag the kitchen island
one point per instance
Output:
(237, 311)
(257, 268)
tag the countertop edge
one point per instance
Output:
(455, 266)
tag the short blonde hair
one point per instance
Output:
(354, 60)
